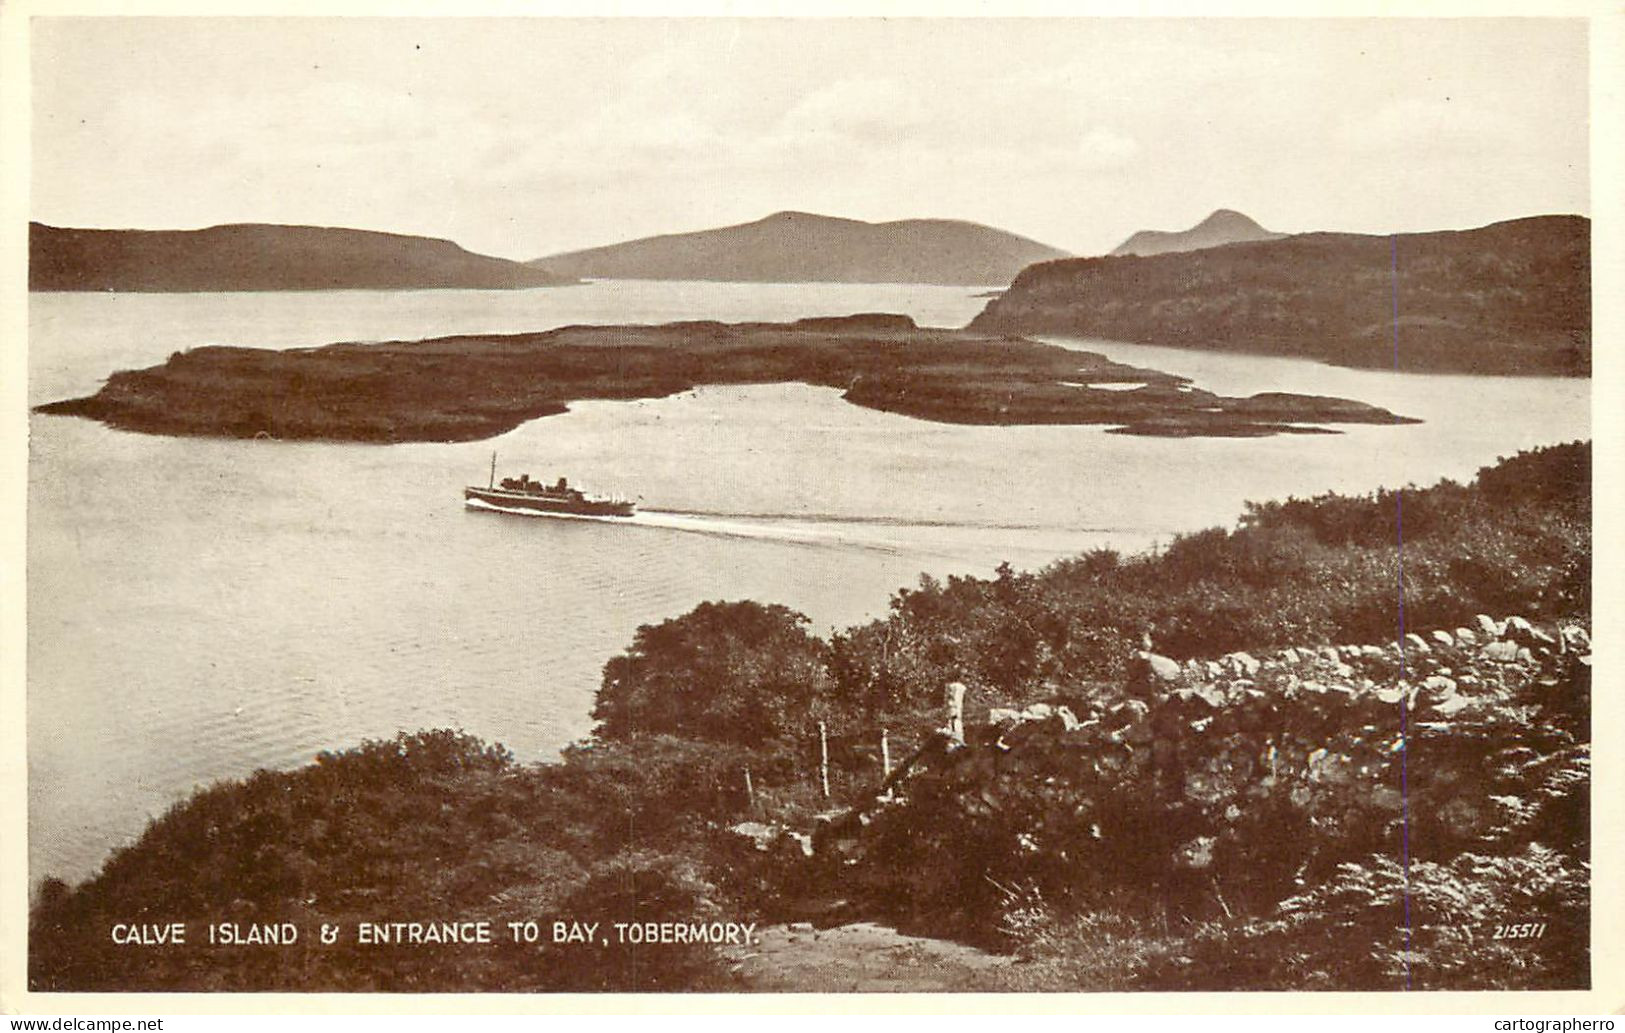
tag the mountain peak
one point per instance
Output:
(1230, 217)
(1223, 226)
(791, 215)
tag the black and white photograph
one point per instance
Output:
(1063, 504)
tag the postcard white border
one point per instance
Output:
(1607, 996)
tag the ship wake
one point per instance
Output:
(879, 534)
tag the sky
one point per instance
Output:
(526, 137)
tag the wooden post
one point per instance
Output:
(823, 758)
(750, 792)
(885, 761)
(956, 711)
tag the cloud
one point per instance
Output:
(1439, 125)
(863, 110)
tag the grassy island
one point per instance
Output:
(473, 387)
(1226, 765)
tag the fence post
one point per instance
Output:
(956, 711)
(750, 792)
(885, 761)
(823, 758)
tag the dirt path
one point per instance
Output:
(858, 958)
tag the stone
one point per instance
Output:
(1130, 709)
(1290, 656)
(761, 835)
(1198, 853)
(1518, 629)
(1502, 652)
(1416, 642)
(1490, 628)
(1002, 716)
(1245, 663)
(1441, 637)
(1161, 667)
(1466, 636)
(1439, 686)
(1451, 705)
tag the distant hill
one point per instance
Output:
(797, 247)
(1222, 227)
(1512, 297)
(259, 257)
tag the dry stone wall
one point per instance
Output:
(1235, 781)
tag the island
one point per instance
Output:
(466, 388)
(804, 247)
(263, 257)
(1509, 298)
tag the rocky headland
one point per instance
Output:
(1509, 298)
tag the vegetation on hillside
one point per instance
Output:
(1153, 809)
(1509, 298)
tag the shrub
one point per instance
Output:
(739, 672)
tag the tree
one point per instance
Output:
(730, 671)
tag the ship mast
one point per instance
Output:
(493, 482)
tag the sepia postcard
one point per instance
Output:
(891, 508)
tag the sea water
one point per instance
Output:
(200, 608)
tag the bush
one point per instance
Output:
(735, 672)
(1377, 926)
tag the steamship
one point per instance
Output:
(522, 493)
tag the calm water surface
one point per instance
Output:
(200, 608)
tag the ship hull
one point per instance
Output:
(542, 504)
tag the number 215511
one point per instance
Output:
(1523, 931)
